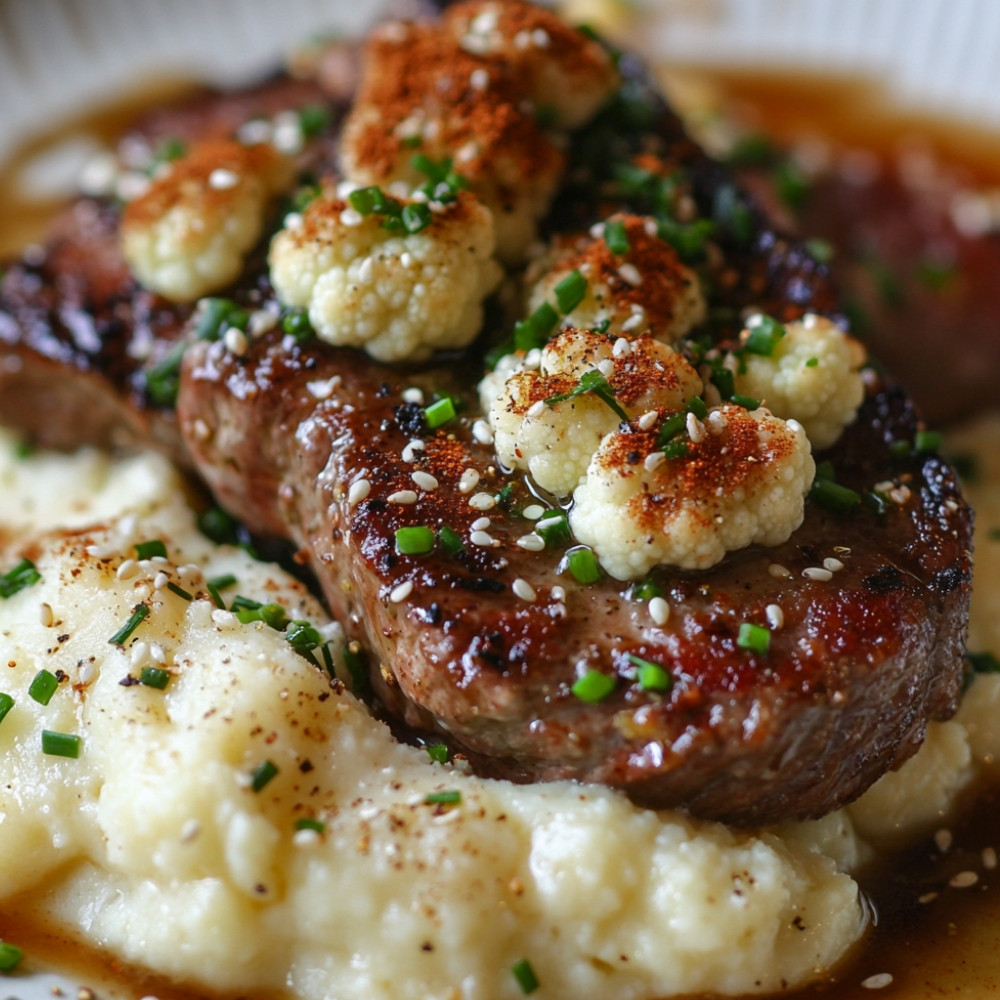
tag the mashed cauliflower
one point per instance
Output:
(399, 295)
(251, 827)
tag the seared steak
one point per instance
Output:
(480, 640)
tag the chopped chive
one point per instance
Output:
(583, 565)
(812, 363)
(440, 412)
(644, 591)
(792, 185)
(313, 119)
(450, 540)
(305, 196)
(139, 614)
(724, 380)
(223, 581)
(262, 775)
(10, 956)
(179, 591)
(451, 797)
(927, 441)
(23, 575)
(678, 448)
(150, 549)
(416, 217)
(216, 315)
(525, 976)
(60, 744)
(747, 402)
(754, 638)
(218, 526)
(154, 677)
(304, 638)
(438, 753)
(553, 528)
(753, 149)
(616, 237)
(304, 823)
(570, 292)
(593, 686)
(354, 662)
(414, 541)
(764, 335)
(936, 274)
(899, 449)
(246, 609)
(241, 602)
(536, 329)
(217, 598)
(731, 212)
(651, 676)
(698, 407)
(983, 663)
(274, 616)
(595, 383)
(822, 250)
(833, 497)
(296, 324)
(877, 501)
(6, 704)
(43, 687)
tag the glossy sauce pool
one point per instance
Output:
(936, 925)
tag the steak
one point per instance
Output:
(479, 643)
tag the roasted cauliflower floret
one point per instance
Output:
(743, 480)
(188, 234)
(813, 375)
(550, 413)
(425, 92)
(636, 283)
(399, 295)
(567, 75)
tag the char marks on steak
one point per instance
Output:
(482, 647)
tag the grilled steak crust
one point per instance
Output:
(482, 647)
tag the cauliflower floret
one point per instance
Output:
(643, 288)
(400, 296)
(813, 376)
(187, 235)
(743, 480)
(565, 73)
(423, 90)
(556, 441)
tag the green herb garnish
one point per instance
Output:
(139, 614)
(43, 687)
(61, 744)
(23, 575)
(754, 638)
(593, 686)
(594, 383)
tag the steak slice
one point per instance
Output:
(462, 648)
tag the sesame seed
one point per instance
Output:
(402, 592)
(409, 452)
(541, 38)
(900, 494)
(654, 460)
(775, 616)
(716, 422)
(349, 217)
(413, 395)
(305, 838)
(597, 230)
(254, 132)
(536, 409)
(359, 491)
(469, 481)
(480, 524)
(659, 610)
(403, 496)
(127, 569)
(648, 419)
(558, 593)
(696, 429)
(190, 831)
(222, 180)
(779, 572)
(160, 580)
(46, 616)
(482, 432)
(406, 260)
(633, 322)
(651, 227)
(87, 671)
(424, 480)
(261, 321)
(139, 653)
(482, 539)
(524, 590)
(817, 573)
(482, 501)
(533, 511)
(531, 542)
(630, 273)
(963, 880)
(927, 897)
(878, 981)
(943, 840)
(834, 565)
(293, 221)
(202, 431)
(479, 79)
(622, 348)
(532, 361)
(323, 388)
(606, 367)
(989, 858)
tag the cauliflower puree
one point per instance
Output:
(408, 878)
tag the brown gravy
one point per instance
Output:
(945, 946)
